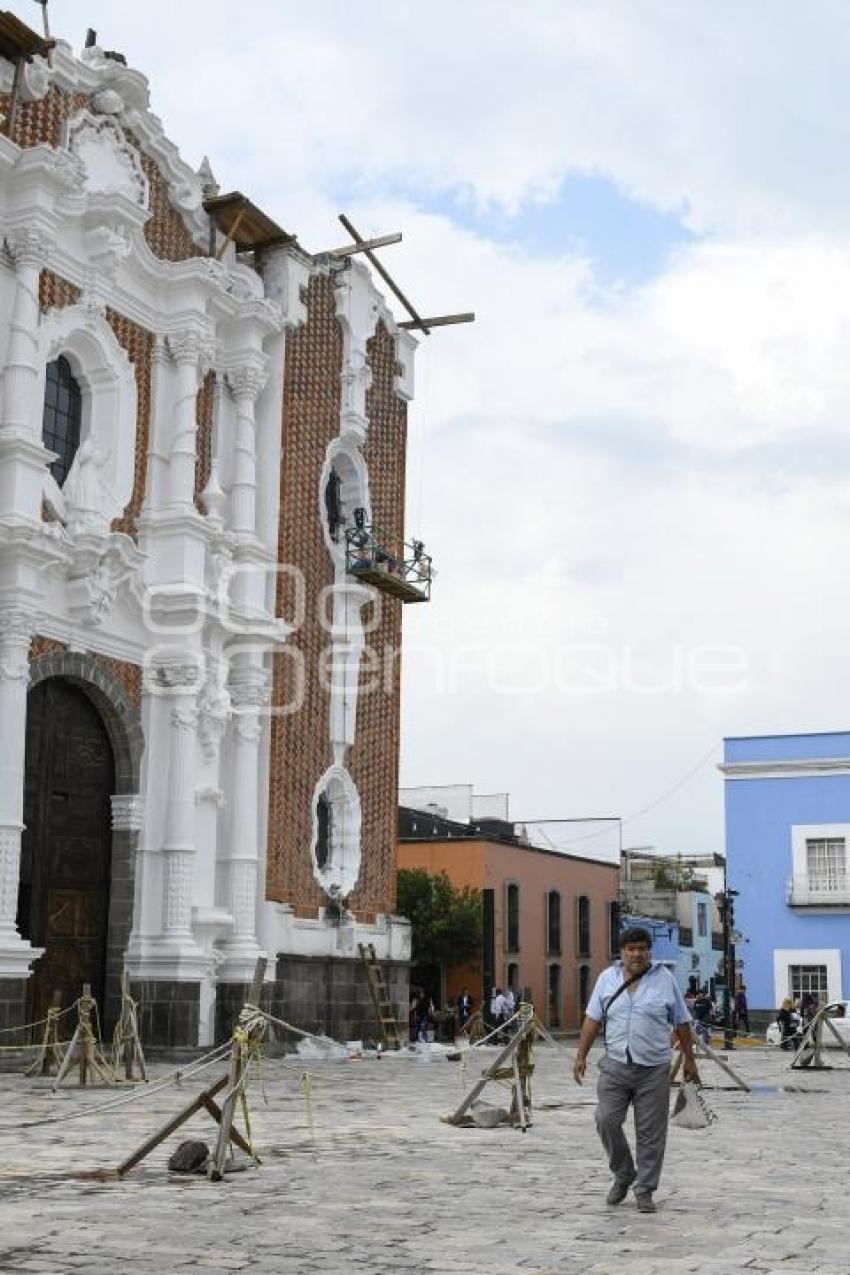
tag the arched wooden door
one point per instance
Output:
(63, 904)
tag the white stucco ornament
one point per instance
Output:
(110, 162)
(107, 102)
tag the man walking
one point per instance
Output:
(636, 1004)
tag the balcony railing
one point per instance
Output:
(819, 889)
(388, 563)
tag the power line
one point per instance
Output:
(637, 814)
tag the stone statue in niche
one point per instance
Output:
(85, 490)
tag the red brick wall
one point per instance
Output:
(300, 748)
(203, 457)
(42, 121)
(375, 755)
(138, 345)
(166, 232)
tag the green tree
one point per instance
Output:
(447, 922)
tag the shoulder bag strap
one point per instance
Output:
(629, 982)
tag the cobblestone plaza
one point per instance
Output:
(383, 1185)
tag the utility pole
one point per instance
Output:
(726, 907)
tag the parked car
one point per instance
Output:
(839, 1015)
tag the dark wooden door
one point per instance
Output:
(63, 904)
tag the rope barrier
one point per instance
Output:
(299, 1031)
(39, 1022)
(18, 1048)
(175, 1077)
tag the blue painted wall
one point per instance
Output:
(665, 937)
(706, 966)
(759, 815)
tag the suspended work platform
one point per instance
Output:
(394, 566)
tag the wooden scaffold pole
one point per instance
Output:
(247, 1036)
(84, 1049)
(126, 1042)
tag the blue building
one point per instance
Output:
(700, 950)
(787, 800)
(665, 938)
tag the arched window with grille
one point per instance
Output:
(583, 988)
(553, 994)
(582, 925)
(512, 917)
(63, 413)
(553, 923)
(614, 928)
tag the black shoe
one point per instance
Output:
(618, 1192)
(645, 1203)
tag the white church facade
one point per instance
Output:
(202, 427)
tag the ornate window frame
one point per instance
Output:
(339, 875)
(109, 419)
(351, 469)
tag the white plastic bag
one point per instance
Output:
(690, 1110)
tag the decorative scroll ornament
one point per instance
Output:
(100, 566)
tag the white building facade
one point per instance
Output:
(144, 635)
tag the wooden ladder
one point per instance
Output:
(387, 1022)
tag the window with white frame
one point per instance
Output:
(826, 863)
(808, 980)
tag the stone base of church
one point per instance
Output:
(169, 1013)
(13, 1002)
(330, 995)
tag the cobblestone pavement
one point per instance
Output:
(384, 1185)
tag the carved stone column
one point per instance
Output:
(249, 694)
(15, 631)
(178, 849)
(29, 250)
(166, 963)
(192, 353)
(246, 383)
(23, 457)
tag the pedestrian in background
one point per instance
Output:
(741, 1016)
(702, 1015)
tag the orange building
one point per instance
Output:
(551, 918)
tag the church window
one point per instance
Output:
(63, 410)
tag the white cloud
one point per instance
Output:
(649, 469)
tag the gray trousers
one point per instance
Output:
(647, 1089)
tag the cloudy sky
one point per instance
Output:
(631, 470)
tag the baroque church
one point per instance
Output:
(202, 574)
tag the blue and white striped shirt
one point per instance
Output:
(637, 1028)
